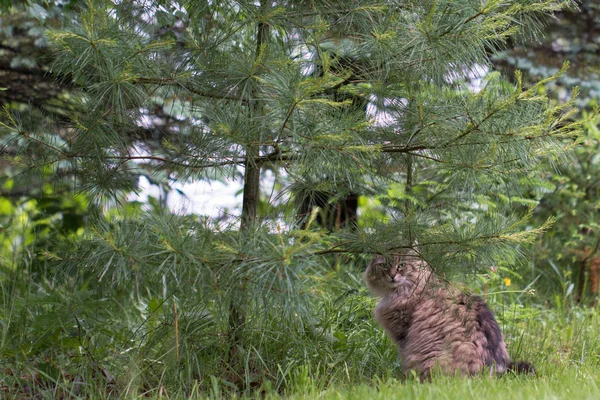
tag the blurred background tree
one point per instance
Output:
(566, 258)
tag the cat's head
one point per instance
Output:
(402, 274)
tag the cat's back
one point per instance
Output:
(455, 332)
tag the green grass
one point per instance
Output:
(341, 353)
(575, 382)
(565, 382)
(564, 347)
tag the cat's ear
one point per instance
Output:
(410, 252)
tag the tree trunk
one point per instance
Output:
(580, 288)
(237, 314)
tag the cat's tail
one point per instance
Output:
(521, 367)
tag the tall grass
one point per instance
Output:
(73, 343)
(157, 327)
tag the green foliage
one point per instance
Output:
(338, 97)
(572, 200)
(470, 144)
(563, 258)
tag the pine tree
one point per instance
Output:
(336, 97)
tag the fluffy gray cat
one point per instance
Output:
(435, 325)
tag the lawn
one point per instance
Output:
(554, 382)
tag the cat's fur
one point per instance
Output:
(433, 324)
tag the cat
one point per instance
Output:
(436, 326)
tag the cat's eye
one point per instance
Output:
(401, 265)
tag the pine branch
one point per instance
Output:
(175, 82)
